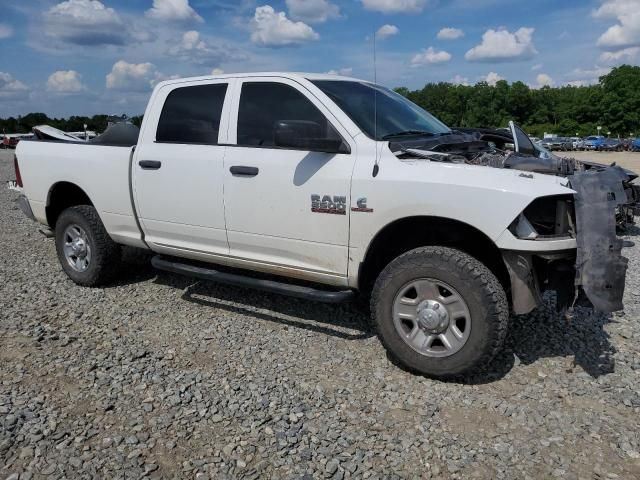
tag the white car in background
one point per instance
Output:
(577, 143)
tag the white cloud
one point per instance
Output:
(460, 80)
(11, 88)
(387, 31)
(450, 34)
(65, 81)
(132, 77)
(195, 49)
(537, 66)
(395, 6)
(579, 76)
(580, 83)
(491, 78)
(345, 72)
(627, 55)
(615, 8)
(274, 29)
(502, 46)
(86, 23)
(543, 80)
(161, 77)
(217, 71)
(312, 11)
(173, 10)
(5, 30)
(430, 56)
(625, 33)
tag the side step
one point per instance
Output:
(297, 291)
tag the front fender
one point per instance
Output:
(487, 199)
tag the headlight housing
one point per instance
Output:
(546, 218)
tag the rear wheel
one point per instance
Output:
(86, 252)
(440, 312)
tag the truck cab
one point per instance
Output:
(244, 138)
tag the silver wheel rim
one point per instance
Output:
(76, 248)
(431, 317)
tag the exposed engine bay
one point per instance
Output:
(604, 204)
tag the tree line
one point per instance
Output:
(96, 123)
(613, 103)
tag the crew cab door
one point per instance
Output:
(177, 172)
(286, 208)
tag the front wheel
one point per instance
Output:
(440, 312)
(86, 252)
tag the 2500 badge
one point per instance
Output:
(336, 205)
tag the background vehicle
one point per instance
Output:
(577, 143)
(594, 142)
(557, 143)
(290, 175)
(612, 145)
(11, 140)
(635, 145)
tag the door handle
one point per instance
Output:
(243, 171)
(150, 164)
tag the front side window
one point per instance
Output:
(380, 112)
(263, 105)
(192, 115)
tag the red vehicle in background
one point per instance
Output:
(11, 140)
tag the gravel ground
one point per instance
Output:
(161, 377)
(630, 160)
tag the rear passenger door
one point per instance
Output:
(276, 198)
(178, 170)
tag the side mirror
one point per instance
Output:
(306, 135)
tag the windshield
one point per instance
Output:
(396, 115)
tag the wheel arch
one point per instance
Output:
(61, 196)
(405, 234)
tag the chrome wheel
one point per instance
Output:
(431, 317)
(77, 250)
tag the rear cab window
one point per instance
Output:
(191, 115)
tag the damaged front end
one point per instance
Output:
(604, 203)
(591, 275)
(600, 266)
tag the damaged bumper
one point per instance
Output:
(600, 266)
(593, 272)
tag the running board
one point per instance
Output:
(297, 291)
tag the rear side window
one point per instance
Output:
(192, 115)
(263, 104)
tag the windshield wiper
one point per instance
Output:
(406, 133)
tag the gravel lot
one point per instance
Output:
(159, 376)
(630, 160)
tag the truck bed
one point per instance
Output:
(45, 165)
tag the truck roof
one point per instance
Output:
(289, 75)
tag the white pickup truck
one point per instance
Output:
(344, 185)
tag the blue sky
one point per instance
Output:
(88, 56)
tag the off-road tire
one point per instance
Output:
(105, 253)
(479, 287)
